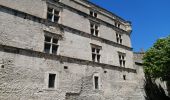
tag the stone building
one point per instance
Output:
(138, 63)
(65, 50)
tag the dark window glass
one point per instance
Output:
(124, 63)
(54, 49)
(120, 57)
(47, 47)
(96, 82)
(92, 31)
(97, 32)
(98, 51)
(49, 17)
(124, 77)
(120, 41)
(51, 82)
(91, 13)
(98, 58)
(96, 27)
(93, 57)
(123, 57)
(56, 12)
(47, 39)
(56, 18)
(50, 10)
(95, 15)
(93, 49)
(55, 41)
(120, 62)
(91, 25)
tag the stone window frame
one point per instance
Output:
(93, 13)
(122, 59)
(46, 80)
(124, 77)
(51, 80)
(117, 24)
(53, 12)
(96, 53)
(119, 39)
(98, 83)
(51, 43)
(94, 29)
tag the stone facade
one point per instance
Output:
(138, 63)
(27, 72)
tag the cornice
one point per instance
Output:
(104, 10)
(92, 18)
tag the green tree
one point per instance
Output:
(157, 59)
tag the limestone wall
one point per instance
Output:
(24, 75)
(24, 67)
(33, 7)
(29, 34)
(85, 7)
(80, 22)
(19, 32)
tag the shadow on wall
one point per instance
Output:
(153, 91)
(168, 87)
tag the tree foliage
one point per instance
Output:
(157, 59)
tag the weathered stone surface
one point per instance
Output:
(25, 69)
(33, 7)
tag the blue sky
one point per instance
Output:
(150, 19)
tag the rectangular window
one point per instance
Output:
(124, 77)
(51, 81)
(94, 29)
(117, 24)
(95, 54)
(53, 14)
(96, 82)
(119, 38)
(93, 14)
(122, 60)
(50, 45)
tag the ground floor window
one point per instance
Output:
(96, 81)
(51, 81)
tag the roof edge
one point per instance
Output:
(107, 11)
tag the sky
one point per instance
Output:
(150, 19)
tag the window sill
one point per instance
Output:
(50, 89)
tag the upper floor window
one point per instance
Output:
(122, 60)
(53, 14)
(94, 29)
(117, 24)
(93, 13)
(96, 53)
(51, 45)
(119, 38)
(124, 77)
